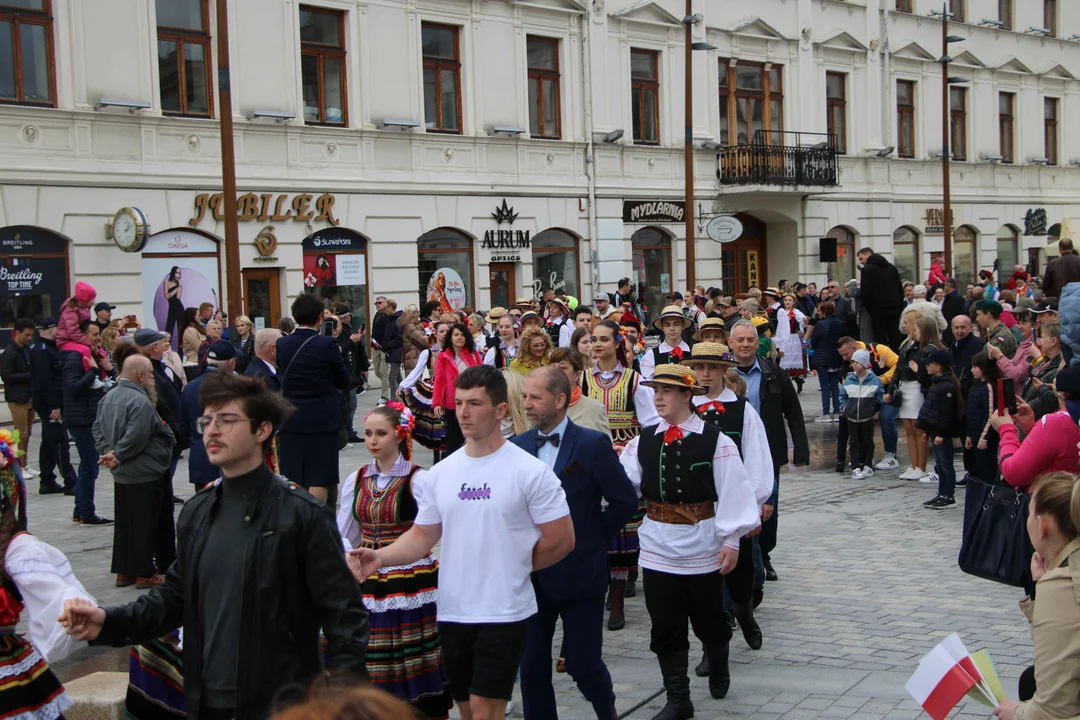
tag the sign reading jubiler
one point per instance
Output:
(645, 211)
(264, 207)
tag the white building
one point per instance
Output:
(516, 143)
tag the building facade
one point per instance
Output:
(477, 151)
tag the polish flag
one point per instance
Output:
(956, 649)
(939, 683)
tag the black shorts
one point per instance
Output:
(482, 658)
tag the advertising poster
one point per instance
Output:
(446, 288)
(173, 283)
(320, 270)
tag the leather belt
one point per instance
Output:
(681, 513)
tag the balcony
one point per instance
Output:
(781, 158)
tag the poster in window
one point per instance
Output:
(446, 288)
(320, 270)
(351, 270)
(31, 287)
(172, 284)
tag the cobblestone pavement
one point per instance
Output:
(868, 584)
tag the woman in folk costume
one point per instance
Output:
(417, 390)
(404, 657)
(504, 350)
(629, 407)
(35, 577)
(790, 324)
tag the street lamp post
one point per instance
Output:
(689, 20)
(946, 126)
(228, 171)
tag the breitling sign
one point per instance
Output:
(267, 206)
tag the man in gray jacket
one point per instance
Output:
(136, 445)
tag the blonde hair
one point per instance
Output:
(911, 323)
(246, 321)
(1058, 494)
(108, 338)
(515, 386)
(733, 381)
(929, 333)
(530, 334)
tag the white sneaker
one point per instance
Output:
(97, 384)
(509, 706)
(887, 463)
(858, 473)
(822, 419)
(835, 417)
(867, 472)
(29, 471)
(929, 479)
(908, 474)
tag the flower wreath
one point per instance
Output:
(407, 422)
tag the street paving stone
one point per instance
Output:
(868, 584)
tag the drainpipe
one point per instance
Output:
(590, 148)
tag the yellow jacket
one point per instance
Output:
(1055, 631)
(890, 358)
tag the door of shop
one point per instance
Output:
(742, 262)
(503, 284)
(262, 297)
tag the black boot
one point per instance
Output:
(631, 584)
(744, 613)
(719, 677)
(617, 620)
(702, 669)
(607, 604)
(770, 574)
(674, 668)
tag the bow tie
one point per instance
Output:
(542, 440)
(672, 434)
(711, 406)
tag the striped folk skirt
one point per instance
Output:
(430, 431)
(156, 680)
(28, 688)
(623, 550)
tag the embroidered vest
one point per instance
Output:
(729, 422)
(384, 515)
(617, 395)
(553, 331)
(681, 472)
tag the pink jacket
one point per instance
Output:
(937, 275)
(446, 375)
(1017, 368)
(71, 317)
(1050, 446)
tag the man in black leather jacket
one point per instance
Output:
(259, 570)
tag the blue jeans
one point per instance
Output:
(88, 471)
(889, 433)
(943, 466)
(352, 410)
(829, 381)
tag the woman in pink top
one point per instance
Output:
(459, 354)
(1051, 442)
(1017, 367)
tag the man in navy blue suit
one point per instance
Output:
(313, 377)
(264, 364)
(573, 588)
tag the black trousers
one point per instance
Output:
(886, 327)
(674, 600)
(862, 442)
(740, 581)
(454, 438)
(55, 453)
(842, 441)
(143, 538)
(767, 538)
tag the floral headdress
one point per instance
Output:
(405, 425)
(12, 486)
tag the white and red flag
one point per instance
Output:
(940, 682)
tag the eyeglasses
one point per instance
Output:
(222, 423)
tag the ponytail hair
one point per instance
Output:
(401, 418)
(620, 344)
(1058, 494)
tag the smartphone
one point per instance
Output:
(1006, 396)
(327, 327)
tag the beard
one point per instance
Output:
(152, 393)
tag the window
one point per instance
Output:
(1005, 125)
(959, 10)
(1050, 16)
(1008, 243)
(836, 101)
(751, 103)
(183, 29)
(965, 255)
(445, 265)
(906, 253)
(544, 116)
(904, 5)
(1050, 130)
(958, 122)
(905, 118)
(322, 66)
(1005, 14)
(26, 52)
(651, 248)
(442, 78)
(645, 95)
(555, 263)
(844, 268)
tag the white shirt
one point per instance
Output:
(417, 372)
(548, 453)
(695, 549)
(511, 353)
(648, 361)
(756, 456)
(489, 508)
(644, 407)
(566, 330)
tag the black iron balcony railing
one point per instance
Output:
(780, 158)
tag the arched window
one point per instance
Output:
(335, 268)
(906, 253)
(966, 255)
(652, 269)
(555, 264)
(445, 256)
(844, 268)
(1008, 251)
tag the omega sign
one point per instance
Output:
(645, 211)
(505, 239)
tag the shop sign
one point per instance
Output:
(752, 268)
(516, 258)
(935, 221)
(335, 240)
(648, 211)
(266, 207)
(18, 278)
(500, 239)
(724, 228)
(1035, 222)
(446, 288)
(266, 245)
(554, 282)
(25, 240)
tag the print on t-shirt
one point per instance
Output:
(468, 493)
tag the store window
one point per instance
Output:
(181, 268)
(335, 269)
(1006, 103)
(442, 78)
(645, 95)
(1050, 130)
(1005, 14)
(445, 264)
(1008, 250)
(555, 263)
(751, 103)
(544, 116)
(958, 122)
(836, 102)
(844, 268)
(965, 254)
(906, 253)
(33, 275)
(322, 66)
(27, 73)
(905, 118)
(183, 35)
(652, 269)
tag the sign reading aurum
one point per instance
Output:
(263, 207)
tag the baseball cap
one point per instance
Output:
(146, 336)
(221, 350)
(602, 296)
(342, 309)
(1047, 305)
(103, 306)
(46, 322)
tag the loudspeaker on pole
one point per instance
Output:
(827, 250)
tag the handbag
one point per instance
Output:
(342, 435)
(896, 397)
(995, 543)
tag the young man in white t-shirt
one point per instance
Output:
(501, 514)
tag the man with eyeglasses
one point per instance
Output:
(260, 570)
(378, 360)
(220, 358)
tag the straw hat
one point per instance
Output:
(672, 311)
(713, 323)
(529, 315)
(675, 375)
(711, 354)
(525, 303)
(494, 314)
(771, 291)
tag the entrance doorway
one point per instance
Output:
(262, 297)
(652, 270)
(742, 261)
(503, 284)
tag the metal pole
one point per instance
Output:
(691, 235)
(228, 171)
(945, 150)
